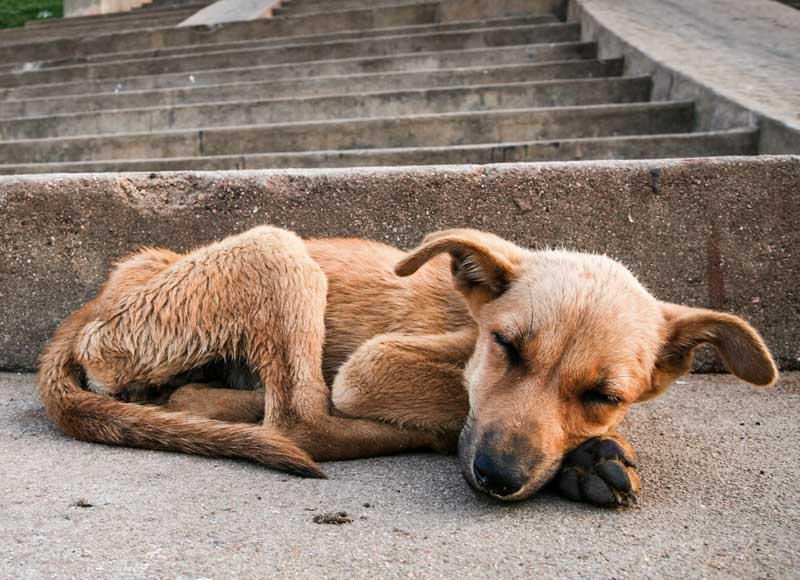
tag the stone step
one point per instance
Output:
(335, 5)
(290, 8)
(349, 106)
(45, 49)
(677, 145)
(305, 52)
(488, 57)
(442, 130)
(318, 38)
(159, 4)
(316, 86)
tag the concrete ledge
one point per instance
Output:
(714, 232)
(232, 11)
(737, 59)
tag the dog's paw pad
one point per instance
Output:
(600, 472)
(615, 474)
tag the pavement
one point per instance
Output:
(719, 462)
(744, 51)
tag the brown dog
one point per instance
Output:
(553, 348)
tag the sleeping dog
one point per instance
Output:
(286, 351)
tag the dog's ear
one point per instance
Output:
(483, 265)
(740, 345)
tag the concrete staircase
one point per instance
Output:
(326, 83)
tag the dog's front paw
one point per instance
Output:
(600, 471)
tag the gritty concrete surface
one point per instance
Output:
(720, 233)
(735, 58)
(719, 462)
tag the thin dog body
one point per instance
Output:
(286, 351)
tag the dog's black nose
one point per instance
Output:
(495, 476)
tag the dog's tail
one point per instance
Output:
(93, 417)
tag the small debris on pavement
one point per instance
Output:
(335, 519)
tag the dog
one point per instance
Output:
(285, 351)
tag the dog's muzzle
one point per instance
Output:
(498, 475)
(504, 470)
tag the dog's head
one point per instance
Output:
(567, 343)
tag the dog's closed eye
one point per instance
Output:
(599, 395)
(511, 351)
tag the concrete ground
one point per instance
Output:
(719, 460)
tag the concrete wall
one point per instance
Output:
(714, 232)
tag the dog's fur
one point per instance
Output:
(263, 327)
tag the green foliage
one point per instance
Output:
(17, 12)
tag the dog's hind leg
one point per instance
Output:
(257, 298)
(233, 301)
(220, 404)
(316, 429)
(282, 342)
(329, 438)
